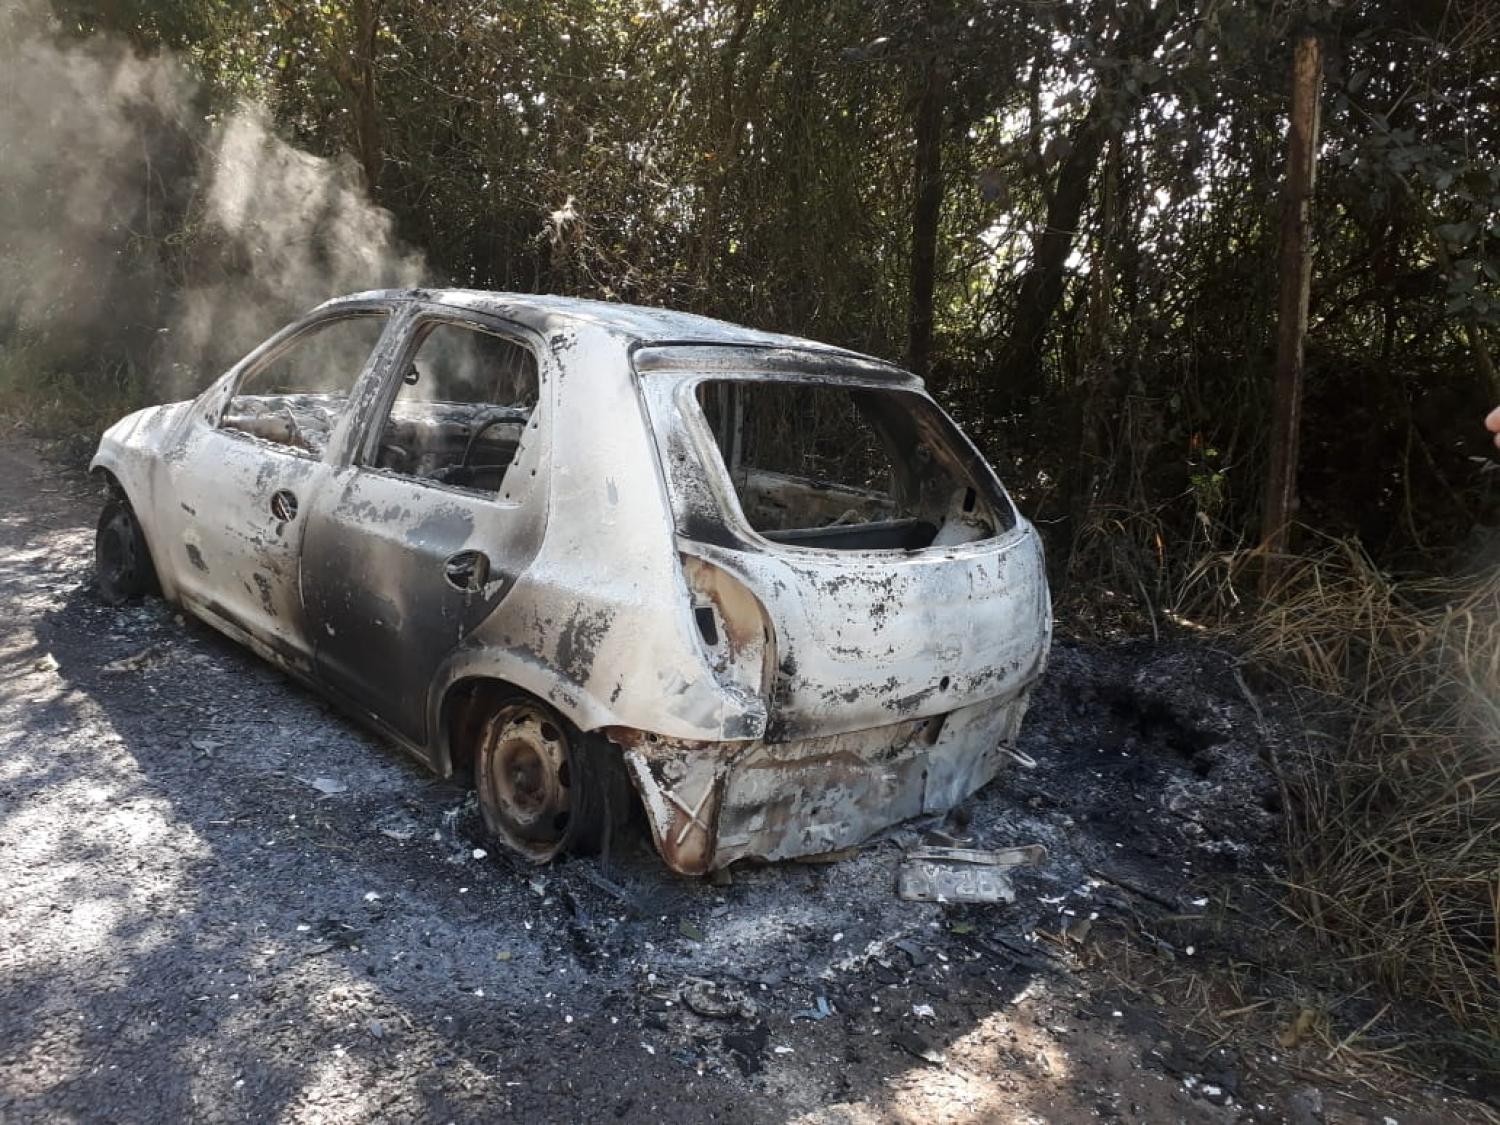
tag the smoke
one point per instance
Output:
(290, 230)
(142, 234)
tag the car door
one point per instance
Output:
(244, 479)
(442, 506)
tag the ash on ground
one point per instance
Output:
(220, 900)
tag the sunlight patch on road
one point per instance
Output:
(62, 900)
(1004, 1068)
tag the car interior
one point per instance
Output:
(470, 445)
(834, 467)
(296, 396)
(461, 413)
(458, 418)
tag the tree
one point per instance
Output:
(927, 196)
(1069, 192)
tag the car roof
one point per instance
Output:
(543, 312)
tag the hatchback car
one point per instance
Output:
(601, 557)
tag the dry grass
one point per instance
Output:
(1394, 827)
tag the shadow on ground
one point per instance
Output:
(222, 901)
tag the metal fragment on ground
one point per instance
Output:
(328, 786)
(963, 874)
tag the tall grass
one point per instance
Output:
(57, 403)
(1394, 827)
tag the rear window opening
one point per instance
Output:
(848, 468)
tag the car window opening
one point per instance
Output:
(461, 412)
(820, 465)
(296, 396)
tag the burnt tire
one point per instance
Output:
(123, 570)
(544, 786)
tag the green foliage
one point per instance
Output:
(56, 402)
(754, 159)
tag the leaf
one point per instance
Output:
(689, 930)
(962, 927)
(1298, 1029)
(1457, 233)
(1358, 79)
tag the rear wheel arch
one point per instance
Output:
(488, 669)
(465, 702)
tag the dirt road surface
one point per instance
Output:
(221, 901)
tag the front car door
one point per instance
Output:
(416, 540)
(245, 476)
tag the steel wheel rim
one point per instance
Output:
(527, 780)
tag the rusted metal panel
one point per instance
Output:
(710, 805)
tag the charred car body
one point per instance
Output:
(582, 549)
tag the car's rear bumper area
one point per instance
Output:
(712, 803)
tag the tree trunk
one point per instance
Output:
(927, 206)
(726, 130)
(1020, 371)
(1291, 313)
(1095, 406)
(359, 81)
(1042, 286)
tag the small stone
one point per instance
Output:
(1304, 1106)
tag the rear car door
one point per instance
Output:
(414, 543)
(244, 480)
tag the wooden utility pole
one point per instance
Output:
(1291, 311)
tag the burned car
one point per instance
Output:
(602, 559)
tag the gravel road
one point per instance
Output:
(221, 901)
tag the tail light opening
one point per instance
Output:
(733, 627)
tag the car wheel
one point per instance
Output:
(122, 562)
(544, 786)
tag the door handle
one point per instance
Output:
(467, 571)
(284, 505)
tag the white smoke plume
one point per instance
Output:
(140, 231)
